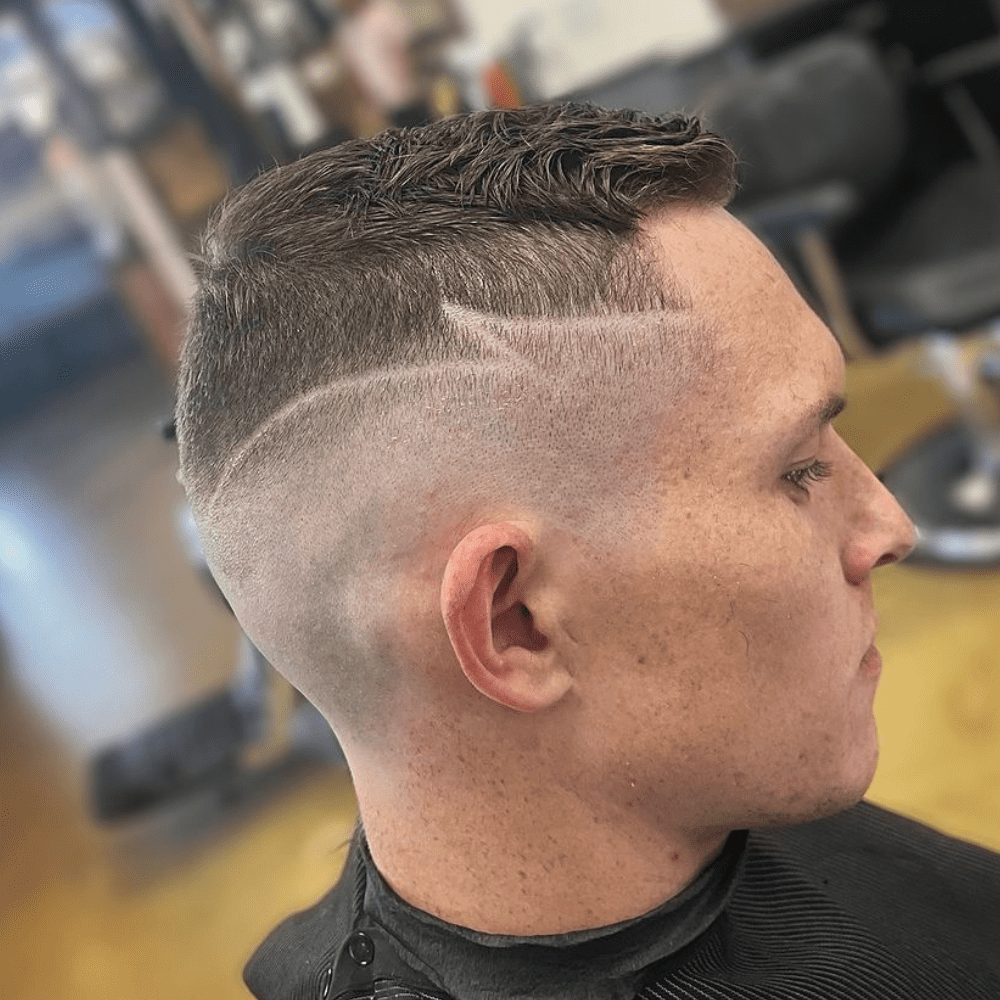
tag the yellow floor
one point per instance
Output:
(104, 626)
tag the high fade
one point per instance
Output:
(395, 336)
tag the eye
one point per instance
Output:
(814, 473)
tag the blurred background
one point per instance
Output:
(164, 798)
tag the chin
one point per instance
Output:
(826, 798)
(865, 763)
(795, 813)
(854, 781)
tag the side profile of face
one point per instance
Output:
(723, 660)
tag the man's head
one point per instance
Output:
(486, 427)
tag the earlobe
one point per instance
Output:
(488, 618)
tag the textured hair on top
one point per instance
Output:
(394, 334)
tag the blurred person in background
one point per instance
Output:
(376, 39)
(512, 449)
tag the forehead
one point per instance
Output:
(773, 348)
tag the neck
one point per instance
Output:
(517, 859)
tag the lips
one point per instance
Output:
(871, 662)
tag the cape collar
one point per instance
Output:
(595, 964)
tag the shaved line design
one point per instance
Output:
(551, 334)
(571, 342)
(331, 390)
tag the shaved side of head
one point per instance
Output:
(338, 493)
(374, 365)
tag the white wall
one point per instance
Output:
(581, 41)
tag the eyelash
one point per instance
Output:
(814, 473)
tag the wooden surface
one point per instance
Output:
(105, 627)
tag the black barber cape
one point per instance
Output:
(862, 905)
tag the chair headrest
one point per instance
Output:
(827, 110)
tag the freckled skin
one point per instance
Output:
(747, 604)
(590, 725)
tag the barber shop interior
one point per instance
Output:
(168, 796)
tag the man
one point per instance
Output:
(512, 449)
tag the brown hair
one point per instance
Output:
(418, 287)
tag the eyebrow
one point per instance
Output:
(823, 413)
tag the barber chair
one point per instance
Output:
(878, 187)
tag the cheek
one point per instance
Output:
(756, 605)
(767, 564)
(792, 614)
(748, 597)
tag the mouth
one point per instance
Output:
(871, 662)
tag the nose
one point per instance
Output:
(880, 532)
(904, 533)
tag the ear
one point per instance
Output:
(487, 613)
